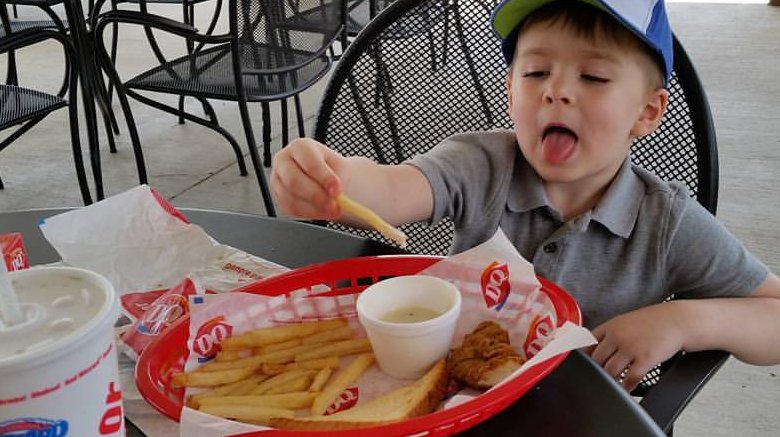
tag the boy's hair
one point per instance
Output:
(617, 20)
(592, 23)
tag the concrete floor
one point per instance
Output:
(736, 48)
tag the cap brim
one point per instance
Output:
(510, 13)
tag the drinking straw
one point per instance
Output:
(10, 311)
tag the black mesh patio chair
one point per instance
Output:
(258, 60)
(48, 19)
(425, 69)
(23, 108)
(188, 18)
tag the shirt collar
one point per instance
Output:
(617, 210)
(528, 192)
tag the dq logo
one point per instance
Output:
(164, 311)
(34, 427)
(539, 334)
(112, 420)
(210, 335)
(495, 285)
(17, 259)
(346, 400)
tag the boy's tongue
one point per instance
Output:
(557, 146)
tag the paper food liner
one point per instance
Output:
(496, 283)
(136, 239)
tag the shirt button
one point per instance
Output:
(550, 247)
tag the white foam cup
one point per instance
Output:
(58, 367)
(407, 350)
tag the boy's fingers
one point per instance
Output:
(635, 374)
(302, 198)
(618, 366)
(317, 162)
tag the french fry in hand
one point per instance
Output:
(320, 379)
(247, 413)
(210, 379)
(294, 400)
(372, 219)
(339, 348)
(241, 387)
(340, 382)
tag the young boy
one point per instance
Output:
(585, 79)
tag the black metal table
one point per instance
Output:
(576, 399)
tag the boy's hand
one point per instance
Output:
(305, 179)
(631, 344)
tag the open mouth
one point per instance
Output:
(558, 130)
(558, 143)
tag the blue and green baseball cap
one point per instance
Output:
(645, 18)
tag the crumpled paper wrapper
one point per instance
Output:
(480, 274)
(135, 239)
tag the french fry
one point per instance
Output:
(294, 400)
(232, 355)
(339, 348)
(246, 413)
(241, 387)
(210, 379)
(372, 219)
(315, 364)
(254, 361)
(280, 380)
(341, 333)
(278, 334)
(273, 347)
(340, 382)
(320, 379)
(299, 384)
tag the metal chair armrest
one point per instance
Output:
(679, 384)
(157, 22)
(28, 37)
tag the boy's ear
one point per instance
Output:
(651, 115)
(509, 89)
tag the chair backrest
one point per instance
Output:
(426, 69)
(281, 35)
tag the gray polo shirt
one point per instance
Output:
(644, 240)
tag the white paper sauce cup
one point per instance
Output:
(58, 368)
(404, 349)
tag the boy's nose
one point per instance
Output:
(557, 91)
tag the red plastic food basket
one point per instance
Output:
(168, 352)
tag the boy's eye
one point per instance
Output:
(539, 73)
(592, 78)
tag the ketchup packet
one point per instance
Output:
(14, 255)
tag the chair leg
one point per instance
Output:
(266, 134)
(285, 124)
(113, 77)
(299, 116)
(250, 139)
(75, 142)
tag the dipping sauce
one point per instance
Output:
(410, 314)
